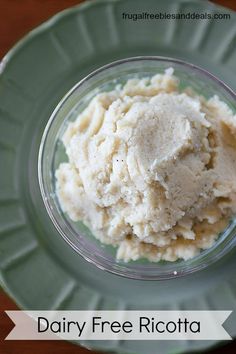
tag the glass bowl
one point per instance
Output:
(52, 153)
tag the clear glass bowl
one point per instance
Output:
(52, 153)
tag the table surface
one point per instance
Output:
(19, 17)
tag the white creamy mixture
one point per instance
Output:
(151, 170)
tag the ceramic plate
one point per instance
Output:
(37, 268)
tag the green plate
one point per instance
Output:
(37, 268)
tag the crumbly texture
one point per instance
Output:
(151, 170)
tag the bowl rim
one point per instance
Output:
(165, 276)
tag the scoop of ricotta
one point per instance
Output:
(151, 170)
